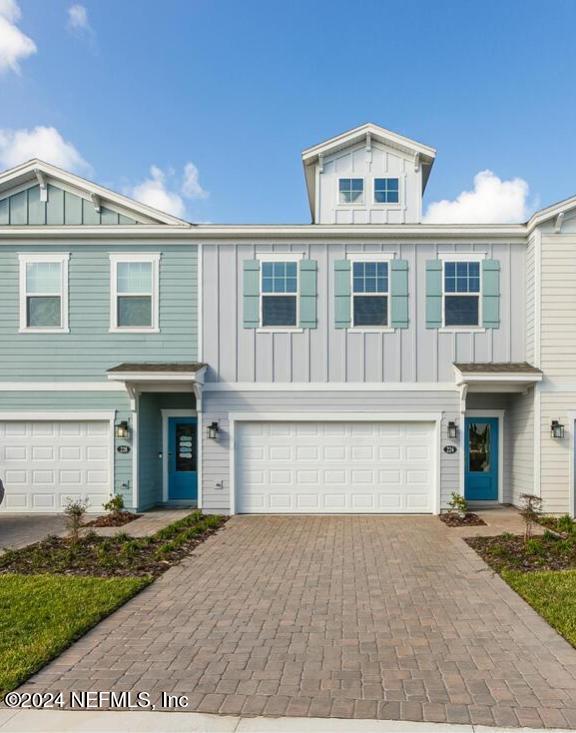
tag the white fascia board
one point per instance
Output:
(155, 377)
(512, 377)
(83, 188)
(330, 387)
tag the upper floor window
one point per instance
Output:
(386, 190)
(44, 292)
(134, 292)
(369, 294)
(351, 190)
(279, 294)
(462, 293)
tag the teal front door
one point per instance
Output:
(481, 455)
(182, 458)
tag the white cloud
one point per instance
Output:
(493, 201)
(78, 18)
(160, 190)
(14, 45)
(18, 146)
(191, 187)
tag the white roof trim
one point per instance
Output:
(158, 377)
(29, 172)
(497, 378)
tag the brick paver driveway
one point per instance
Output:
(366, 616)
(19, 530)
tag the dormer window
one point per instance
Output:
(351, 190)
(386, 191)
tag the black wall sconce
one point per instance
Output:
(213, 430)
(452, 430)
(557, 429)
(122, 430)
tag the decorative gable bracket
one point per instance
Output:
(41, 178)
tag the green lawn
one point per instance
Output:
(552, 594)
(40, 615)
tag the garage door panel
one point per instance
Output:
(334, 467)
(44, 463)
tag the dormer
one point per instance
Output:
(367, 175)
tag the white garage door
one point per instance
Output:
(42, 463)
(330, 467)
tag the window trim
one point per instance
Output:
(154, 260)
(370, 257)
(279, 257)
(29, 258)
(353, 204)
(389, 204)
(462, 257)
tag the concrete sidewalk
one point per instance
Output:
(66, 721)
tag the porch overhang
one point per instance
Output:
(159, 377)
(496, 376)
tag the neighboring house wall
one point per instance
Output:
(379, 161)
(328, 354)
(89, 349)
(218, 404)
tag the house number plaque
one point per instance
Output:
(450, 449)
(123, 449)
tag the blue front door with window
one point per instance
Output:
(481, 455)
(182, 458)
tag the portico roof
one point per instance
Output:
(499, 376)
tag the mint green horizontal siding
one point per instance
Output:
(89, 349)
(62, 208)
(30, 402)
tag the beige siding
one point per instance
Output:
(555, 453)
(558, 333)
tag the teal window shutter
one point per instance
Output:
(342, 293)
(399, 293)
(490, 293)
(251, 293)
(308, 293)
(433, 293)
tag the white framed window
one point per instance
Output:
(462, 293)
(279, 287)
(350, 190)
(44, 292)
(386, 190)
(370, 294)
(134, 292)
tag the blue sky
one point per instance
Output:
(238, 89)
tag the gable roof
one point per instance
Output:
(37, 172)
(424, 154)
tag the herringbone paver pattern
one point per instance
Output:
(365, 616)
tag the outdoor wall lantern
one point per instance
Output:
(213, 430)
(452, 430)
(122, 430)
(557, 429)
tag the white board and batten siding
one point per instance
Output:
(45, 462)
(379, 411)
(327, 354)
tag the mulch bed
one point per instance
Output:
(512, 552)
(468, 520)
(117, 556)
(112, 520)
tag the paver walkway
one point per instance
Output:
(19, 530)
(350, 616)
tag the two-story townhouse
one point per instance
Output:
(365, 362)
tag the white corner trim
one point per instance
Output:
(330, 387)
(135, 409)
(61, 387)
(571, 473)
(61, 258)
(500, 415)
(200, 297)
(154, 259)
(537, 440)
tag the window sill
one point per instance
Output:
(133, 330)
(43, 330)
(462, 329)
(279, 329)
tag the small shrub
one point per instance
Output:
(549, 536)
(115, 505)
(530, 512)
(565, 523)
(507, 536)
(534, 546)
(457, 504)
(74, 512)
